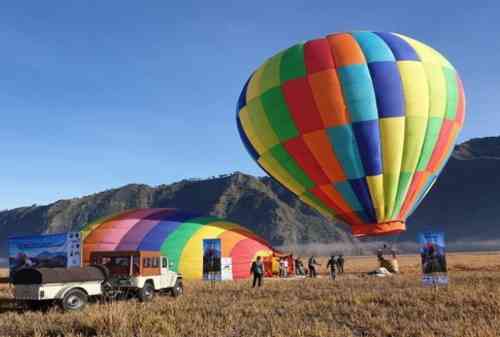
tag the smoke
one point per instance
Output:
(370, 247)
(333, 248)
(473, 246)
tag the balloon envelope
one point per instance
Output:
(358, 125)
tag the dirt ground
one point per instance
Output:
(354, 305)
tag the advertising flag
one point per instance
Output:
(44, 251)
(432, 253)
(212, 259)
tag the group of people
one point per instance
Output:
(335, 264)
(283, 271)
(311, 267)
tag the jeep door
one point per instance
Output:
(167, 276)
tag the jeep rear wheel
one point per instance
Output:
(147, 292)
(177, 289)
(75, 299)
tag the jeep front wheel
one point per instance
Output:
(147, 292)
(75, 299)
(177, 289)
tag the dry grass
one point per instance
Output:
(355, 305)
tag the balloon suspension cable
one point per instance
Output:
(393, 242)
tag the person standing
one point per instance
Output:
(257, 270)
(312, 266)
(299, 267)
(394, 261)
(332, 264)
(340, 263)
(282, 267)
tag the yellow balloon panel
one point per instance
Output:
(437, 90)
(191, 261)
(392, 136)
(376, 187)
(250, 130)
(254, 89)
(415, 129)
(415, 88)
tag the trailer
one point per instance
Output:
(113, 275)
(71, 288)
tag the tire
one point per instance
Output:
(178, 289)
(146, 293)
(75, 299)
(105, 271)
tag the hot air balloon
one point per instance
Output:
(358, 125)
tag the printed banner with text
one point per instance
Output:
(44, 251)
(432, 252)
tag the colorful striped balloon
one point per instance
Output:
(177, 235)
(358, 125)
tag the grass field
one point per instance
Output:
(355, 305)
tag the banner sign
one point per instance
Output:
(227, 268)
(74, 250)
(432, 253)
(212, 259)
(44, 251)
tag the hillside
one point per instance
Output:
(463, 203)
(258, 203)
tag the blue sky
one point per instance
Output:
(98, 94)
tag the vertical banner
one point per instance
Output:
(432, 253)
(74, 257)
(226, 268)
(44, 251)
(211, 259)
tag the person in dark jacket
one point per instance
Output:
(257, 270)
(332, 264)
(340, 263)
(312, 266)
(299, 267)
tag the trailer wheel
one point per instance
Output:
(178, 288)
(75, 299)
(147, 292)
